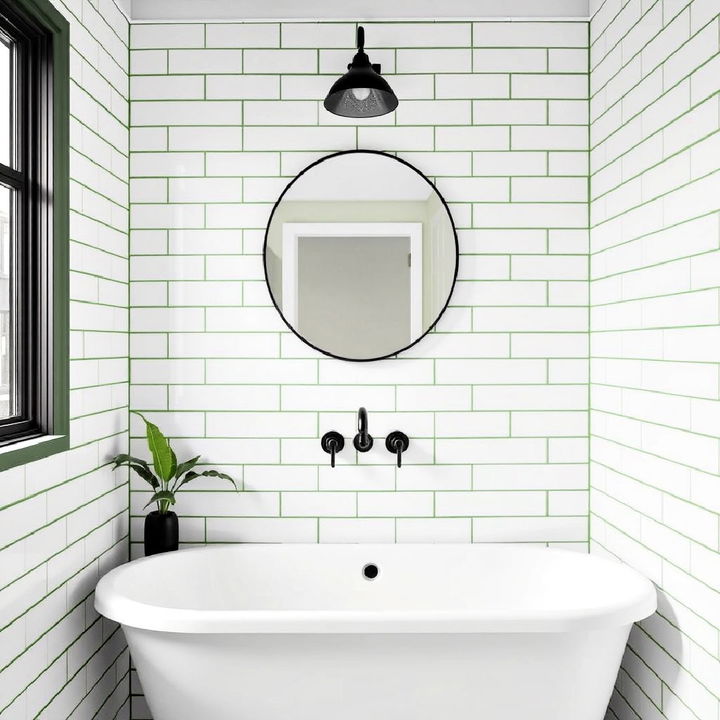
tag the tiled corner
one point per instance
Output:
(655, 349)
(64, 520)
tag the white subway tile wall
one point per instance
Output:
(655, 269)
(64, 520)
(495, 400)
(222, 117)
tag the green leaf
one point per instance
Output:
(162, 496)
(207, 473)
(163, 456)
(173, 464)
(146, 474)
(182, 468)
(123, 459)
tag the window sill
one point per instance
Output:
(25, 451)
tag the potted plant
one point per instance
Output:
(161, 525)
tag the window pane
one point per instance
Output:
(8, 404)
(5, 102)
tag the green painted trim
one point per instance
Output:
(12, 457)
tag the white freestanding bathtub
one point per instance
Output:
(443, 632)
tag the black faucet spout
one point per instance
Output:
(363, 440)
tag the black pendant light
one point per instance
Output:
(362, 92)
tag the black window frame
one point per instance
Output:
(38, 174)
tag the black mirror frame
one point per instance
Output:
(452, 225)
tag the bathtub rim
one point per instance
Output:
(113, 604)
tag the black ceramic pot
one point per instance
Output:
(161, 532)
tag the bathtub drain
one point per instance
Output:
(370, 571)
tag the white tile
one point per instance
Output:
(148, 138)
(280, 61)
(205, 190)
(195, 344)
(148, 62)
(205, 61)
(382, 372)
(518, 60)
(509, 163)
(434, 477)
(539, 397)
(492, 450)
(166, 35)
(151, 164)
(549, 86)
(438, 398)
(472, 138)
(357, 530)
(206, 112)
(351, 477)
(223, 397)
(324, 35)
(330, 397)
(395, 504)
(241, 87)
(529, 34)
(433, 112)
(471, 424)
(433, 530)
(281, 113)
(530, 477)
(261, 372)
(418, 34)
(489, 371)
(302, 530)
(468, 85)
(160, 87)
(242, 35)
(549, 138)
(434, 60)
(325, 504)
(568, 60)
(282, 138)
(241, 164)
(541, 529)
(487, 503)
(206, 293)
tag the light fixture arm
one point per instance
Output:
(361, 60)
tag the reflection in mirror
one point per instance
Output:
(360, 255)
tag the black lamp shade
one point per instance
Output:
(349, 95)
(362, 92)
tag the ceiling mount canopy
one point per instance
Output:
(362, 92)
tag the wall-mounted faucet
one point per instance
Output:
(332, 442)
(363, 440)
(397, 442)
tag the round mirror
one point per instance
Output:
(360, 255)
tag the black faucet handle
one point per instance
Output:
(332, 442)
(397, 442)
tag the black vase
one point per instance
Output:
(161, 532)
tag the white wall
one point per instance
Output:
(495, 401)
(655, 338)
(64, 520)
